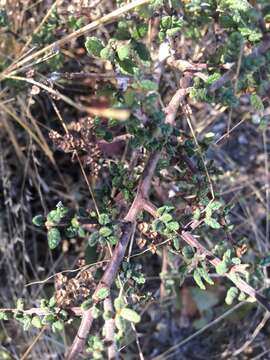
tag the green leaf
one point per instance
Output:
(232, 294)
(164, 209)
(86, 304)
(107, 315)
(95, 312)
(212, 223)
(54, 217)
(256, 102)
(118, 303)
(105, 231)
(119, 323)
(48, 319)
(113, 240)
(173, 226)
(93, 46)
(43, 304)
(54, 238)
(62, 210)
(197, 214)
(104, 219)
(227, 255)
(127, 66)
(214, 205)
(140, 31)
(71, 232)
(81, 232)
(107, 54)
(93, 238)
(52, 302)
(122, 34)
(236, 261)
(102, 293)
(212, 78)
(158, 225)
(39, 220)
(20, 304)
(26, 322)
(123, 52)
(222, 268)
(130, 315)
(242, 296)
(198, 279)
(142, 51)
(204, 274)
(173, 31)
(176, 243)
(208, 213)
(75, 222)
(188, 252)
(57, 326)
(36, 322)
(63, 314)
(166, 217)
(166, 22)
(3, 315)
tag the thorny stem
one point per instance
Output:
(140, 201)
(193, 242)
(106, 281)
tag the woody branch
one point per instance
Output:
(129, 220)
(213, 260)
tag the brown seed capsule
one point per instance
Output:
(141, 242)
(153, 248)
(143, 227)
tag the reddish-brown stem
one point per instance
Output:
(193, 242)
(150, 208)
(106, 281)
(172, 108)
(137, 206)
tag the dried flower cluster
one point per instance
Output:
(73, 291)
(80, 139)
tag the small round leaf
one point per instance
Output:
(54, 238)
(130, 315)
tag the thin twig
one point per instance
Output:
(30, 348)
(167, 354)
(254, 334)
(231, 274)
